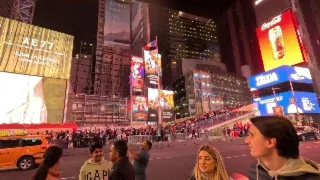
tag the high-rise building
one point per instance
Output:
(6, 8)
(238, 41)
(23, 10)
(180, 36)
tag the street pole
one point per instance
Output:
(293, 96)
(274, 94)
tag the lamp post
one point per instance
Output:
(274, 94)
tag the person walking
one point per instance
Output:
(96, 167)
(274, 142)
(122, 169)
(141, 160)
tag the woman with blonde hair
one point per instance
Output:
(209, 165)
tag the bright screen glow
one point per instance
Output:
(139, 108)
(31, 50)
(152, 66)
(307, 103)
(137, 74)
(167, 105)
(280, 75)
(31, 99)
(279, 43)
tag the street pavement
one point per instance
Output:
(171, 163)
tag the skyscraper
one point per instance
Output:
(181, 36)
(6, 8)
(238, 41)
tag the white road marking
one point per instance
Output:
(68, 178)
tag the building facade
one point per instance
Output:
(182, 36)
(201, 91)
(238, 41)
(6, 7)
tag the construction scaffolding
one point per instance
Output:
(98, 110)
(23, 10)
(99, 86)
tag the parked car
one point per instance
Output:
(307, 132)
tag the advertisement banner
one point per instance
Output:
(137, 74)
(152, 67)
(153, 104)
(303, 102)
(280, 75)
(139, 108)
(117, 24)
(32, 99)
(167, 105)
(199, 106)
(197, 84)
(279, 42)
(31, 50)
(278, 111)
(192, 107)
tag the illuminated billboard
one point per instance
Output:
(153, 104)
(279, 42)
(152, 67)
(137, 74)
(167, 105)
(117, 24)
(31, 50)
(31, 99)
(306, 103)
(280, 75)
(139, 108)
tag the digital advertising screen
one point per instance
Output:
(31, 99)
(137, 74)
(306, 103)
(279, 42)
(117, 24)
(280, 75)
(139, 108)
(31, 50)
(197, 84)
(152, 67)
(167, 105)
(153, 104)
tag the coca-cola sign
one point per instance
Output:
(273, 22)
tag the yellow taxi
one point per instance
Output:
(17, 149)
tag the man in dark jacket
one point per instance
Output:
(275, 143)
(122, 169)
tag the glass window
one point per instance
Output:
(31, 142)
(9, 143)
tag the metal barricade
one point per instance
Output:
(138, 138)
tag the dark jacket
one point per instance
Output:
(294, 169)
(122, 170)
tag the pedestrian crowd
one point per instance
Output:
(272, 141)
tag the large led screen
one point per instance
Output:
(167, 105)
(137, 74)
(152, 67)
(279, 43)
(153, 104)
(32, 50)
(280, 75)
(306, 103)
(117, 24)
(31, 99)
(139, 108)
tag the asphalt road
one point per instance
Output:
(173, 163)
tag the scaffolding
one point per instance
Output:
(99, 83)
(23, 10)
(98, 110)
